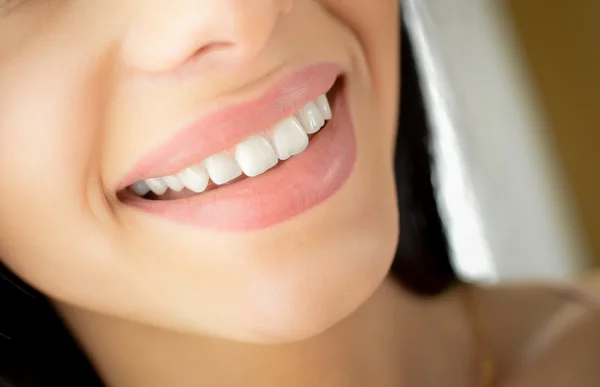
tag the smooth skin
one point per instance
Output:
(88, 87)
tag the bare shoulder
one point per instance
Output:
(545, 334)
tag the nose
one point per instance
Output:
(164, 35)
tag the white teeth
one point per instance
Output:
(289, 138)
(157, 185)
(174, 183)
(141, 188)
(255, 156)
(323, 105)
(312, 118)
(195, 178)
(222, 168)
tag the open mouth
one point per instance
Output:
(255, 156)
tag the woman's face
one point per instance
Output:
(101, 101)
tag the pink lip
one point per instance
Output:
(289, 189)
(232, 124)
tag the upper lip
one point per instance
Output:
(230, 125)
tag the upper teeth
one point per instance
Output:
(253, 156)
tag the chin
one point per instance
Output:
(327, 285)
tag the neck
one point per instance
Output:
(385, 343)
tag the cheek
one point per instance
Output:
(49, 148)
(376, 24)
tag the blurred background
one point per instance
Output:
(513, 93)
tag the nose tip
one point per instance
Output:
(165, 35)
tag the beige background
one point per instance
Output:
(561, 40)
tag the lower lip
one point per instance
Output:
(290, 189)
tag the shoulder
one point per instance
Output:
(547, 334)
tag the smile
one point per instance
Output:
(270, 175)
(252, 157)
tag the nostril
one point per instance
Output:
(214, 48)
(231, 30)
(215, 54)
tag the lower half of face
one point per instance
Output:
(229, 174)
